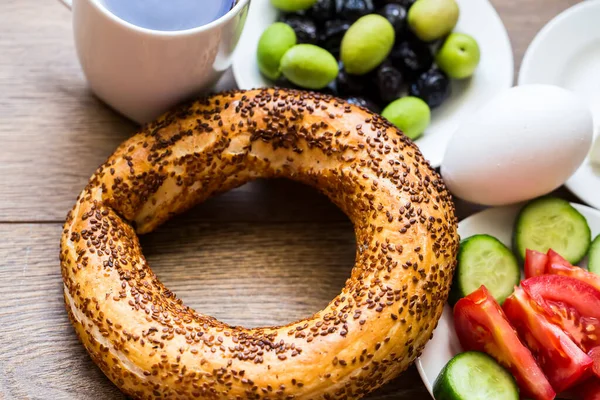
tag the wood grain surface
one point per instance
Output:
(267, 253)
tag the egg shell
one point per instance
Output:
(524, 143)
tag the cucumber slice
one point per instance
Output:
(551, 223)
(594, 256)
(484, 260)
(475, 376)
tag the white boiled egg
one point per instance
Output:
(524, 143)
(595, 153)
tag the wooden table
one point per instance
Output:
(267, 253)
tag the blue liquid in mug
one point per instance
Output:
(168, 15)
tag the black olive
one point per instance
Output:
(432, 86)
(364, 102)
(330, 89)
(389, 81)
(305, 28)
(412, 58)
(282, 82)
(348, 85)
(284, 16)
(404, 3)
(396, 14)
(322, 11)
(332, 34)
(352, 10)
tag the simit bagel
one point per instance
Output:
(152, 346)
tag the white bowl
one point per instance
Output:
(498, 222)
(566, 53)
(477, 18)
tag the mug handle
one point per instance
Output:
(67, 3)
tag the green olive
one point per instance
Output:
(459, 56)
(293, 5)
(275, 41)
(366, 44)
(309, 66)
(433, 19)
(409, 114)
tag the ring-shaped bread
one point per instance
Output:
(152, 346)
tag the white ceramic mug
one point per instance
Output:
(142, 72)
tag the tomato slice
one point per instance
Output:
(563, 362)
(574, 272)
(481, 325)
(595, 355)
(557, 265)
(535, 263)
(589, 390)
(571, 304)
(555, 258)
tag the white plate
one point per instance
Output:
(477, 18)
(499, 223)
(566, 53)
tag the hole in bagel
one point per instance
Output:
(268, 253)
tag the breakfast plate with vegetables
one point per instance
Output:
(424, 65)
(523, 319)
